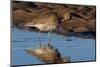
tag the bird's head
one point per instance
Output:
(62, 14)
(66, 16)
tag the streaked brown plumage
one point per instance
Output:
(62, 14)
(46, 21)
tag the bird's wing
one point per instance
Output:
(42, 19)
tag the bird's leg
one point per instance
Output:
(39, 40)
(49, 43)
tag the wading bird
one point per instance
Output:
(46, 22)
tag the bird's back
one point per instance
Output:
(44, 18)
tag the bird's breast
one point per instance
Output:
(39, 26)
(45, 27)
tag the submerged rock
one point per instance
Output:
(48, 55)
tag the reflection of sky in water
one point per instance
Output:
(79, 49)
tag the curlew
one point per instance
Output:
(46, 22)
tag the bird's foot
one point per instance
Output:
(49, 45)
(40, 45)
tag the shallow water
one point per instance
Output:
(79, 49)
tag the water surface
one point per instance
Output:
(79, 49)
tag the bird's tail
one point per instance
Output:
(28, 24)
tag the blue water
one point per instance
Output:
(79, 49)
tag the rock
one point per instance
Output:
(81, 29)
(16, 6)
(22, 16)
(92, 25)
(75, 25)
(23, 6)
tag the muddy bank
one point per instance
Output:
(78, 20)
